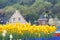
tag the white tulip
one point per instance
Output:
(19, 39)
(3, 34)
(4, 31)
(11, 36)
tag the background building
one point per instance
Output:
(16, 17)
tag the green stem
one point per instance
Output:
(17, 39)
(10, 38)
(3, 38)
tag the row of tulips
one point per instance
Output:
(20, 31)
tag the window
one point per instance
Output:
(19, 19)
(13, 19)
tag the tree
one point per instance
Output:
(52, 1)
(11, 2)
(9, 10)
(27, 2)
(31, 12)
(31, 17)
(3, 3)
(56, 9)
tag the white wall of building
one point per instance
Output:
(17, 17)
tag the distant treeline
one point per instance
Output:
(31, 9)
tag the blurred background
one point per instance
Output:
(29, 9)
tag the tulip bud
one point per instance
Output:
(3, 34)
(11, 36)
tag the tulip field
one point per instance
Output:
(26, 31)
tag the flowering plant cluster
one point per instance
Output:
(20, 31)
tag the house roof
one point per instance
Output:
(16, 13)
(42, 17)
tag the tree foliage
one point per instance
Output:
(31, 8)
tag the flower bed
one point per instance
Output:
(25, 31)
